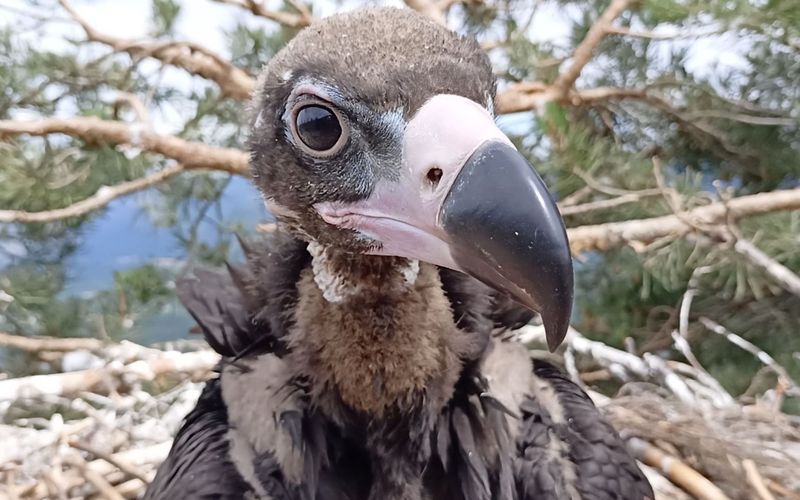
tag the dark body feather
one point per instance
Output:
(512, 428)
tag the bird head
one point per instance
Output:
(373, 133)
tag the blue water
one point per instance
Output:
(124, 237)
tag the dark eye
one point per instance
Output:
(318, 127)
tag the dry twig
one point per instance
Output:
(192, 155)
(677, 471)
(100, 199)
(118, 462)
(93, 477)
(763, 357)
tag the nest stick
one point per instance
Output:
(676, 471)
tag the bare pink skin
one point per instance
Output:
(403, 215)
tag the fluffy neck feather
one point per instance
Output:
(340, 275)
(375, 333)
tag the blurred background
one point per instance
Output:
(121, 170)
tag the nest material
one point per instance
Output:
(716, 443)
(102, 431)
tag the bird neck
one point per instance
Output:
(375, 333)
(341, 275)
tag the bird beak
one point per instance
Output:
(468, 200)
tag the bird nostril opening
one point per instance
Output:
(434, 176)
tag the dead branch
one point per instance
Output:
(118, 462)
(189, 56)
(776, 121)
(653, 35)
(585, 49)
(100, 199)
(756, 481)
(781, 274)
(301, 19)
(753, 349)
(594, 206)
(682, 340)
(782, 490)
(677, 471)
(192, 155)
(40, 344)
(148, 364)
(525, 96)
(615, 234)
(686, 383)
(93, 477)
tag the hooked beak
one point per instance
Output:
(466, 199)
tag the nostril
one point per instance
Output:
(434, 176)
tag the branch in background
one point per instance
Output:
(774, 269)
(774, 121)
(652, 35)
(753, 349)
(51, 344)
(616, 234)
(533, 95)
(594, 206)
(301, 19)
(100, 199)
(585, 49)
(186, 55)
(192, 155)
(526, 96)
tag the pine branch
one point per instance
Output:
(100, 199)
(189, 56)
(192, 155)
(301, 19)
(615, 234)
(583, 52)
(525, 96)
(621, 200)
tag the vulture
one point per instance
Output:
(363, 354)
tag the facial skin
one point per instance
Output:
(379, 139)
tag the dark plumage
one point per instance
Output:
(351, 375)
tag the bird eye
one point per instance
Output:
(318, 127)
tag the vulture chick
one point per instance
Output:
(360, 355)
